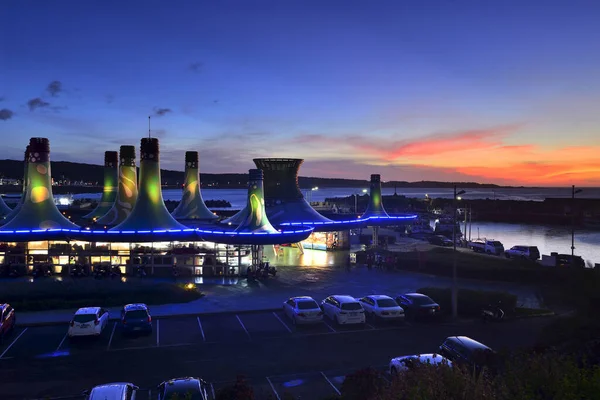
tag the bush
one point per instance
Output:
(470, 302)
(365, 384)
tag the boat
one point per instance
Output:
(420, 226)
(444, 226)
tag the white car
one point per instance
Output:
(303, 310)
(382, 306)
(403, 363)
(112, 391)
(88, 321)
(343, 309)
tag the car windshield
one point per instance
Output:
(138, 314)
(307, 305)
(497, 244)
(421, 300)
(83, 318)
(351, 306)
(183, 394)
(387, 303)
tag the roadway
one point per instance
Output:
(308, 362)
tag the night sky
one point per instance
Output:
(489, 91)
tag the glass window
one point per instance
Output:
(422, 300)
(351, 306)
(387, 303)
(138, 314)
(307, 305)
(83, 318)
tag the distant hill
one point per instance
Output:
(93, 175)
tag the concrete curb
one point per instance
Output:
(169, 316)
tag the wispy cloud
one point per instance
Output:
(6, 114)
(109, 98)
(54, 88)
(36, 103)
(196, 67)
(159, 112)
(2, 98)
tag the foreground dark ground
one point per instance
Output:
(308, 362)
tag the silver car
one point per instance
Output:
(112, 391)
(303, 310)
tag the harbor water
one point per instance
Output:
(547, 238)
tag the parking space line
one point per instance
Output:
(243, 326)
(329, 326)
(332, 385)
(212, 389)
(111, 336)
(273, 387)
(61, 342)
(157, 333)
(282, 323)
(13, 342)
(201, 330)
(370, 326)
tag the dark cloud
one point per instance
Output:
(196, 67)
(6, 114)
(159, 112)
(109, 98)
(54, 88)
(33, 104)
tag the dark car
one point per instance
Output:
(567, 260)
(417, 305)
(466, 351)
(440, 240)
(183, 388)
(136, 318)
(7, 320)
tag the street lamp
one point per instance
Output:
(454, 284)
(573, 193)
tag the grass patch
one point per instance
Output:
(470, 302)
(49, 294)
(530, 312)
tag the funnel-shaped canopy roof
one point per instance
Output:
(375, 207)
(192, 205)
(253, 217)
(284, 201)
(149, 212)
(127, 189)
(39, 210)
(15, 210)
(109, 193)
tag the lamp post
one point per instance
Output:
(454, 284)
(573, 193)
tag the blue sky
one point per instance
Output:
(491, 91)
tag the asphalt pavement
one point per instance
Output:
(309, 362)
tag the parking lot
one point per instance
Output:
(52, 340)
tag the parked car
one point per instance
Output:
(486, 246)
(183, 388)
(8, 319)
(88, 321)
(303, 310)
(440, 240)
(343, 309)
(417, 305)
(383, 307)
(136, 318)
(112, 391)
(405, 362)
(566, 260)
(523, 252)
(466, 351)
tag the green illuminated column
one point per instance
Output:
(149, 212)
(39, 210)
(254, 216)
(109, 193)
(192, 205)
(127, 190)
(375, 207)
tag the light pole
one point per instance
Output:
(573, 193)
(454, 284)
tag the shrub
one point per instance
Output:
(364, 384)
(470, 302)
